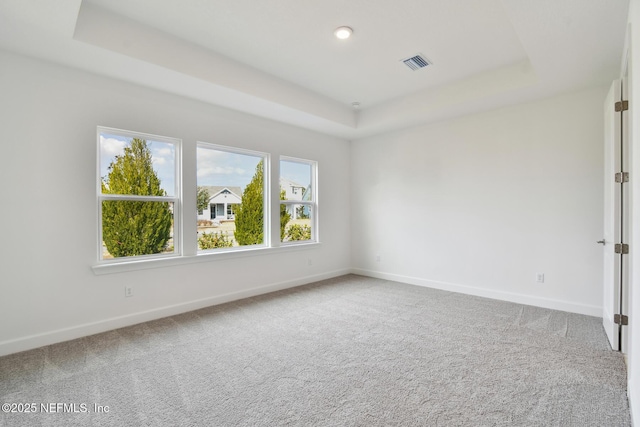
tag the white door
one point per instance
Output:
(614, 214)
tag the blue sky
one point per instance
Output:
(163, 155)
(215, 167)
(299, 173)
(222, 168)
(226, 169)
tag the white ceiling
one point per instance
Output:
(279, 59)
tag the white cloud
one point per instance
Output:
(217, 170)
(162, 154)
(204, 172)
(111, 147)
(217, 167)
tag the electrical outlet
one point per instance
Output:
(540, 277)
(377, 258)
(309, 262)
(128, 291)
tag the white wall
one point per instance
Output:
(478, 204)
(482, 203)
(47, 187)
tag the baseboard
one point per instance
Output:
(66, 334)
(487, 293)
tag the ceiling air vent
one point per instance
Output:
(416, 62)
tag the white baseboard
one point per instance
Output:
(553, 304)
(66, 334)
(634, 404)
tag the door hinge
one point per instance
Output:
(621, 106)
(622, 177)
(620, 319)
(621, 248)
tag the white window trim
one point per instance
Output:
(266, 211)
(147, 264)
(272, 244)
(312, 203)
(176, 199)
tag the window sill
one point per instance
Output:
(134, 265)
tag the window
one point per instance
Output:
(298, 206)
(138, 194)
(141, 210)
(233, 182)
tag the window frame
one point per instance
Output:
(266, 202)
(313, 203)
(175, 200)
(185, 171)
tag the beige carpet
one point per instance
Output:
(351, 351)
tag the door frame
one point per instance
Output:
(617, 211)
(612, 216)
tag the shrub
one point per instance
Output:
(204, 223)
(214, 240)
(299, 232)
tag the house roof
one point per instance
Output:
(280, 60)
(214, 190)
(287, 181)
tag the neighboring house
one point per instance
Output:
(222, 203)
(295, 191)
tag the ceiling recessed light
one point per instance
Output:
(343, 32)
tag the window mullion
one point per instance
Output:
(274, 206)
(135, 198)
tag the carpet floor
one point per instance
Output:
(350, 351)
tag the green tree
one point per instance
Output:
(250, 213)
(249, 216)
(301, 212)
(203, 198)
(132, 228)
(285, 216)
